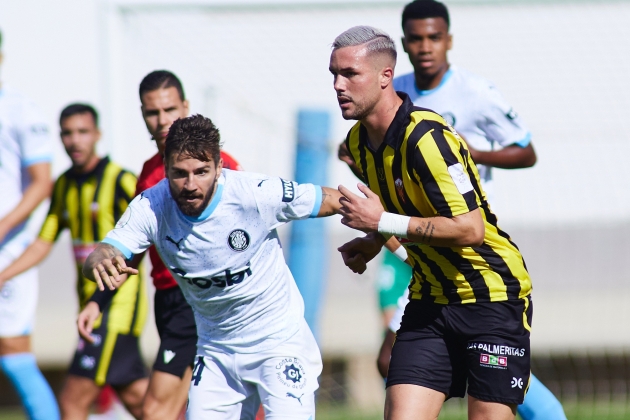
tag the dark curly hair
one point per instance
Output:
(195, 136)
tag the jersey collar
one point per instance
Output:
(211, 205)
(445, 78)
(396, 131)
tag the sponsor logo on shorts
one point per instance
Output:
(517, 382)
(290, 395)
(290, 372)
(238, 240)
(87, 362)
(288, 192)
(497, 349)
(490, 360)
(168, 356)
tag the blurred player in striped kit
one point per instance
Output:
(25, 156)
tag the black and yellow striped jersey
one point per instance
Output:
(89, 205)
(423, 169)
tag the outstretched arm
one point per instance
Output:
(106, 265)
(32, 256)
(368, 215)
(330, 202)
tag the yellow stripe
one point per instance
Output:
(106, 357)
(525, 320)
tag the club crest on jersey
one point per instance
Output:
(291, 373)
(380, 173)
(238, 240)
(288, 192)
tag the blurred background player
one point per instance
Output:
(163, 101)
(476, 109)
(88, 199)
(25, 156)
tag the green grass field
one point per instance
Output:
(576, 411)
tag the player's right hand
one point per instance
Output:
(86, 319)
(112, 272)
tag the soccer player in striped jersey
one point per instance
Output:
(88, 199)
(495, 134)
(163, 101)
(467, 325)
(25, 156)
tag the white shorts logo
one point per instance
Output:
(87, 362)
(517, 383)
(290, 373)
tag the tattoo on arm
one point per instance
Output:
(325, 197)
(427, 232)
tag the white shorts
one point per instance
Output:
(18, 301)
(231, 386)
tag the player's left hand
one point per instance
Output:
(359, 251)
(360, 213)
(86, 319)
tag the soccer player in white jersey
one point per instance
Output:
(215, 230)
(25, 156)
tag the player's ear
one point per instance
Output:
(186, 106)
(449, 42)
(219, 167)
(387, 76)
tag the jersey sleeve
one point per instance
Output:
(54, 222)
(501, 124)
(34, 139)
(134, 231)
(280, 201)
(440, 167)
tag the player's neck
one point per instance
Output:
(424, 82)
(381, 117)
(88, 167)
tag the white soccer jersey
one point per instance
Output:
(229, 260)
(24, 141)
(475, 108)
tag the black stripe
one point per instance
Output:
(449, 290)
(416, 162)
(382, 182)
(498, 265)
(403, 197)
(472, 276)
(425, 286)
(98, 175)
(362, 142)
(451, 159)
(119, 193)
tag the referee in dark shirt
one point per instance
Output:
(468, 322)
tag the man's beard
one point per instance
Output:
(189, 209)
(361, 110)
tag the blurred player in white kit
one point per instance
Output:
(25, 156)
(216, 232)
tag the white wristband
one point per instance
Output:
(401, 253)
(393, 224)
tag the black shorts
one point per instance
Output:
(113, 358)
(176, 326)
(486, 345)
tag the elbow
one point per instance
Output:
(475, 236)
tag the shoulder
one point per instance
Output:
(473, 84)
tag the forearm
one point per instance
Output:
(32, 256)
(102, 252)
(464, 230)
(330, 202)
(34, 194)
(510, 157)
